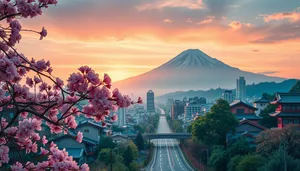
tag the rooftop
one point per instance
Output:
(239, 102)
(286, 98)
(75, 152)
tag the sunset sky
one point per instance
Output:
(125, 38)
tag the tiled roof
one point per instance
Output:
(239, 102)
(244, 121)
(73, 135)
(75, 152)
(284, 114)
(286, 98)
(248, 116)
(262, 100)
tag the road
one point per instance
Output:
(167, 155)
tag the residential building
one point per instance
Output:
(191, 110)
(260, 104)
(241, 89)
(177, 109)
(91, 138)
(247, 129)
(244, 111)
(197, 100)
(288, 108)
(119, 138)
(228, 96)
(150, 102)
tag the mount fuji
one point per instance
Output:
(190, 70)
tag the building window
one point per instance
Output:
(86, 130)
(240, 111)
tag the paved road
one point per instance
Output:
(167, 154)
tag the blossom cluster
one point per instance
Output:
(37, 99)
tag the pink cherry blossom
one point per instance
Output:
(43, 33)
(107, 80)
(114, 118)
(44, 151)
(84, 167)
(43, 98)
(79, 137)
(4, 158)
(44, 140)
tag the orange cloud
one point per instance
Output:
(207, 21)
(291, 16)
(236, 25)
(190, 4)
(167, 21)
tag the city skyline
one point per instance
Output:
(137, 36)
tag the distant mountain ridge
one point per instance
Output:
(191, 69)
(193, 58)
(254, 90)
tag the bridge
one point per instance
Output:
(180, 136)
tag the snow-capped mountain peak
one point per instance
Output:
(194, 58)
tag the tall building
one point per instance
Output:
(191, 110)
(261, 104)
(228, 96)
(241, 88)
(121, 117)
(177, 109)
(169, 105)
(150, 102)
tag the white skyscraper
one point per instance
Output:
(241, 88)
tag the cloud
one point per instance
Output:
(207, 21)
(167, 21)
(236, 25)
(160, 4)
(255, 50)
(268, 72)
(189, 20)
(291, 16)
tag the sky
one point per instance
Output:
(125, 38)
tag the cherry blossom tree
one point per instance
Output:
(35, 97)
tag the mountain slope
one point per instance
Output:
(191, 69)
(254, 90)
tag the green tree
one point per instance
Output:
(134, 166)
(296, 88)
(218, 159)
(177, 125)
(131, 153)
(251, 163)
(276, 162)
(240, 147)
(139, 128)
(267, 120)
(233, 163)
(106, 142)
(139, 140)
(268, 96)
(107, 156)
(212, 127)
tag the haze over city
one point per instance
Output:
(149, 85)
